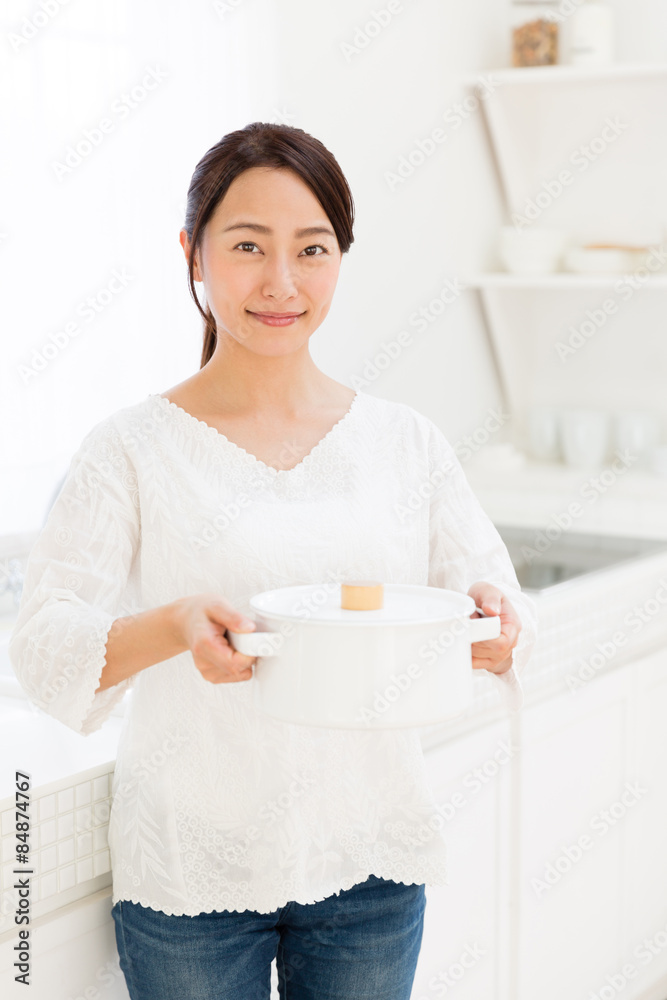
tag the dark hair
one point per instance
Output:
(261, 144)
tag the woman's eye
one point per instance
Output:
(318, 246)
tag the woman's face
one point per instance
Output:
(268, 249)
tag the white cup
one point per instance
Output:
(544, 433)
(585, 438)
(636, 431)
(658, 462)
(533, 250)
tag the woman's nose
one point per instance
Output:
(278, 278)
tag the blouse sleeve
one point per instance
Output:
(465, 546)
(75, 585)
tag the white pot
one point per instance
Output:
(405, 664)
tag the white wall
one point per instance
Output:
(123, 207)
(370, 108)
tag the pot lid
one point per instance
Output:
(319, 603)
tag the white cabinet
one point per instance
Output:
(575, 781)
(467, 924)
(555, 821)
(556, 845)
(645, 870)
(74, 955)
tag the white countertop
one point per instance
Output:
(633, 503)
(37, 744)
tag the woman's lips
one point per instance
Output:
(276, 319)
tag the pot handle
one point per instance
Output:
(511, 692)
(255, 643)
(486, 627)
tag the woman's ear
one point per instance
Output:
(185, 243)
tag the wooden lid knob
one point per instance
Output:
(362, 595)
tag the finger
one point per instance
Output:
(487, 597)
(218, 676)
(220, 673)
(507, 640)
(491, 662)
(241, 662)
(212, 652)
(222, 613)
(494, 666)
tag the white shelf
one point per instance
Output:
(554, 338)
(557, 281)
(568, 74)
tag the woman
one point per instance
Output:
(236, 838)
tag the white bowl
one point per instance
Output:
(531, 251)
(602, 260)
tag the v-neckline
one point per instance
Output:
(189, 418)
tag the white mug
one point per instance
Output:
(585, 438)
(532, 250)
(544, 433)
(636, 431)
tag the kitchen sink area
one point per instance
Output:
(548, 558)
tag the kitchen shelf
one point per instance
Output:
(558, 281)
(599, 128)
(587, 158)
(530, 75)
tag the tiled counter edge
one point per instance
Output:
(69, 851)
(587, 627)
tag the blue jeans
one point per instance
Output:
(361, 944)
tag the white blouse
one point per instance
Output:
(215, 804)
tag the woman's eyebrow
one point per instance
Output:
(299, 233)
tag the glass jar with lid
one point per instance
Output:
(592, 34)
(535, 32)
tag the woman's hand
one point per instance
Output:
(495, 655)
(201, 621)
